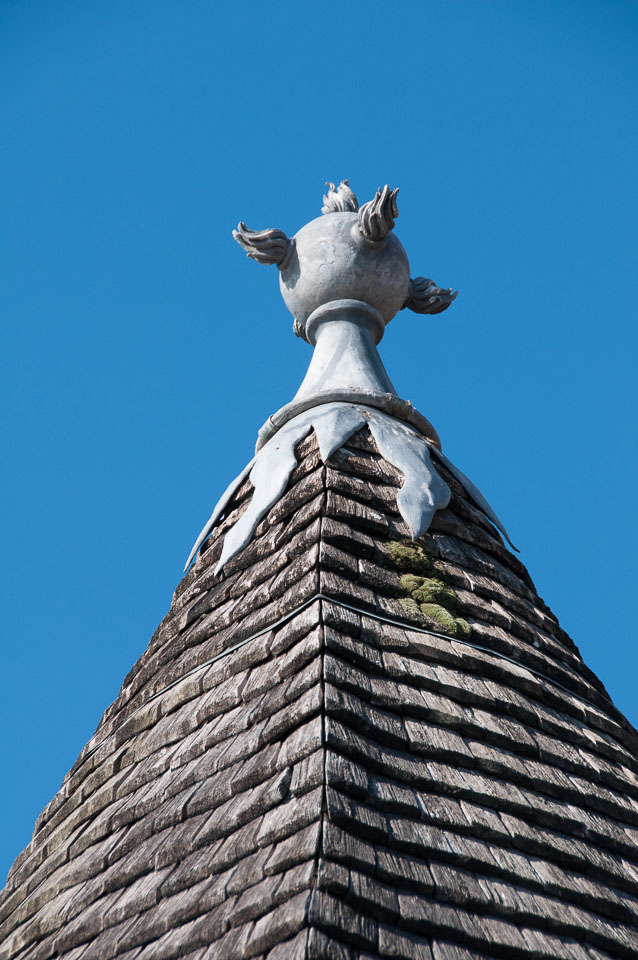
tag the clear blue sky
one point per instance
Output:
(142, 351)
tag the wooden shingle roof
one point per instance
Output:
(348, 745)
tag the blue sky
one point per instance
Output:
(142, 351)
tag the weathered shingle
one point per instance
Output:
(305, 763)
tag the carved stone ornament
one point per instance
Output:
(425, 297)
(339, 199)
(264, 246)
(377, 217)
(344, 276)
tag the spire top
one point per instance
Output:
(348, 253)
(344, 276)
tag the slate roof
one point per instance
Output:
(347, 746)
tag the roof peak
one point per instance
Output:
(344, 276)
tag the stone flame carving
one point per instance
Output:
(264, 246)
(339, 199)
(376, 218)
(426, 297)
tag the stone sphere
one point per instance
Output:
(330, 260)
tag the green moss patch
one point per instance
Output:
(408, 557)
(423, 580)
(454, 626)
(411, 607)
(429, 590)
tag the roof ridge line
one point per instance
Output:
(346, 606)
(201, 666)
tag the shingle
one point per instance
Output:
(336, 918)
(452, 951)
(288, 818)
(282, 923)
(393, 798)
(484, 823)
(322, 947)
(376, 724)
(373, 897)
(341, 845)
(353, 650)
(293, 949)
(346, 775)
(233, 848)
(434, 741)
(358, 817)
(341, 536)
(296, 848)
(333, 878)
(404, 871)
(426, 917)
(301, 742)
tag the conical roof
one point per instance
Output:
(345, 742)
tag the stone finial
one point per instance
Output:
(351, 255)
